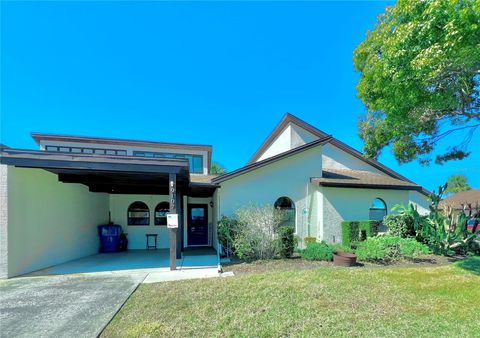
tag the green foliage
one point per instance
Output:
(217, 168)
(318, 251)
(404, 223)
(256, 233)
(446, 231)
(287, 240)
(389, 248)
(341, 248)
(457, 183)
(226, 230)
(354, 231)
(419, 72)
(309, 239)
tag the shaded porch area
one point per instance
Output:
(135, 261)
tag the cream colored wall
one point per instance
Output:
(3, 221)
(350, 204)
(281, 144)
(335, 158)
(300, 136)
(50, 222)
(287, 177)
(129, 149)
(420, 201)
(290, 138)
(119, 204)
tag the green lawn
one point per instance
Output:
(394, 302)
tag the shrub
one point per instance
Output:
(287, 241)
(226, 232)
(354, 231)
(309, 239)
(389, 248)
(318, 251)
(404, 223)
(341, 248)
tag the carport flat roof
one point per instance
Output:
(45, 159)
(111, 174)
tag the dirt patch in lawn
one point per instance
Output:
(297, 263)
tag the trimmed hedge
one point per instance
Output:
(354, 231)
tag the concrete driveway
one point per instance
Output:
(62, 306)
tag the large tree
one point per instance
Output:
(420, 79)
(457, 183)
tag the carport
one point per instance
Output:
(54, 201)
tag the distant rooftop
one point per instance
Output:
(457, 200)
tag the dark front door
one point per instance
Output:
(197, 224)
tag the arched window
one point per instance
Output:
(287, 207)
(161, 211)
(138, 214)
(378, 210)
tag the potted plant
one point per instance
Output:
(344, 257)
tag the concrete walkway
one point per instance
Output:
(79, 298)
(62, 306)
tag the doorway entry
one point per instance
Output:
(197, 232)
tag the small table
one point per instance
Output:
(149, 246)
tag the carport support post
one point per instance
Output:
(172, 192)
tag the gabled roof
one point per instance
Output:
(262, 163)
(361, 179)
(287, 118)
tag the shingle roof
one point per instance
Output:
(207, 179)
(461, 198)
(361, 179)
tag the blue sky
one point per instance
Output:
(219, 73)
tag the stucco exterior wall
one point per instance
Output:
(3, 222)
(290, 138)
(420, 201)
(119, 204)
(287, 177)
(50, 222)
(350, 204)
(300, 136)
(280, 145)
(335, 158)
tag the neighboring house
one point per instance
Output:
(52, 199)
(467, 201)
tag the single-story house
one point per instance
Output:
(52, 199)
(466, 201)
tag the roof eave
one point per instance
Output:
(269, 160)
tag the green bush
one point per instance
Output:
(354, 231)
(318, 251)
(389, 248)
(341, 248)
(404, 223)
(309, 239)
(287, 241)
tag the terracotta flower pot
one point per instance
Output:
(344, 259)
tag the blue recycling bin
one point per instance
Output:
(109, 235)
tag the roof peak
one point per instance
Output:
(286, 119)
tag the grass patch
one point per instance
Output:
(397, 302)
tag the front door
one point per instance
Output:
(197, 224)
